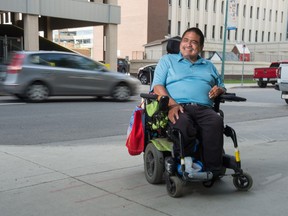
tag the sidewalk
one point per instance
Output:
(97, 177)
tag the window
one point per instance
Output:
(179, 27)
(282, 17)
(188, 3)
(213, 31)
(276, 14)
(264, 14)
(244, 10)
(221, 32)
(179, 3)
(262, 39)
(268, 38)
(251, 11)
(205, 31)
(256, 36)
(214, 6)
(228, 34)
(206, 5)
(236, 32)
(169, 26)
(169, 2)
(274, 36)
(197, 5)
(222, 7)
(249, 39)
(237, 9)
(243, 34)
(270, 15)
(257, 15)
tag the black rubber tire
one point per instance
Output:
(121, 92)
(243, 182)
(262, 84)
(153, 164)
(37, 92)
(174, 186)
(144, 79)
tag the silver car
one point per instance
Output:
(36, 75)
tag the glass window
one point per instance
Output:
(206, 5)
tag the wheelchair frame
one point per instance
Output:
(159, 162)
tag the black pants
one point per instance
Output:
(211, 128)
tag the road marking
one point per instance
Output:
(6, 104)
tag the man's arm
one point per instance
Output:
(174, 108)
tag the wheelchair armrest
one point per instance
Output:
(231, 97)
(149, 96)
(226, 97)
(162, 100)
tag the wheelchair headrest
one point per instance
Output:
(173, 46)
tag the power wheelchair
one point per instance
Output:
(159, 158)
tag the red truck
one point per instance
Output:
(266, 75)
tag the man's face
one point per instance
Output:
(190, 46)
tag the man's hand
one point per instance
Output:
(215, 91)
(173, 113)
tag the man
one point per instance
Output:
(192, 83)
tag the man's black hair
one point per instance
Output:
(198, 32)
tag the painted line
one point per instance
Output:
(7, 104)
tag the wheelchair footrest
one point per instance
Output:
(198, 176)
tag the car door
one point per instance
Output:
(82, 76)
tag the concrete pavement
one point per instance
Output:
(99, 177)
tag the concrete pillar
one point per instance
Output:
(48, 34)
(31, 33)
(110, 46)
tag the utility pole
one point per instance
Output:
(224, 42)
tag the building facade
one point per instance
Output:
(261, 25)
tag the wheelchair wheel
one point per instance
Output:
(153, 164)
(243, 182)
(174, 186)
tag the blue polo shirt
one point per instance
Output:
(187, 82)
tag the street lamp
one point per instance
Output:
(243, 59)
(224, 42)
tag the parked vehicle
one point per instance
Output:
(123, 65)
(145, 74)
(266, 75)
(282, 81)
(36, 75)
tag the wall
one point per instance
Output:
(232, 69)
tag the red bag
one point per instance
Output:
(135, 133)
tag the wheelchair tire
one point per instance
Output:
(243, 182)
(174, 186)
(153, 164)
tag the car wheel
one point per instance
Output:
(262, 84)
(37, 92)
(121, 92)
(144, 79)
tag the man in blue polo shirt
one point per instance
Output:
(192, 83)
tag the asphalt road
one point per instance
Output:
(64, 119)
